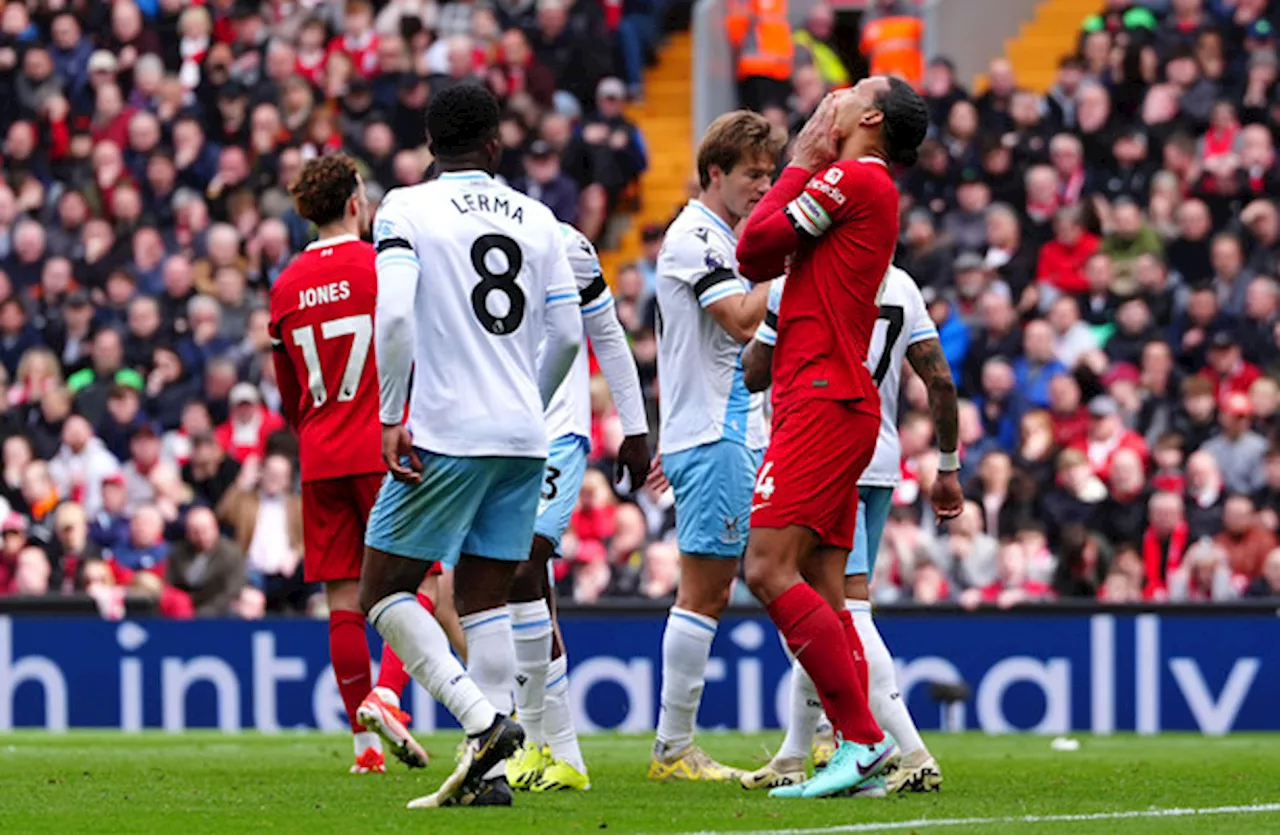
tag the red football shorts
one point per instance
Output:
(334, 513)
(811, 469)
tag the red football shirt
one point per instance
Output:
(850, 214)
(322, 309)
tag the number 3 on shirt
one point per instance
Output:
(360, 329)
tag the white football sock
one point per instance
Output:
(558, 720)
(686, 646)
(531, 627)
(367, 739)
(806, 713)
(421, 644)
(491, 661)
(886, 702)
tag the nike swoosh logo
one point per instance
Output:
(346, 681)
(756, 507)
(863, 771)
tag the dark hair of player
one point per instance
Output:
(323, 188)
(906, 121)
(462, 119)
(733, 137)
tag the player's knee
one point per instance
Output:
(343, 596)
(710, 600)
(760, 576)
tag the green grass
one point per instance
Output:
(203, 782)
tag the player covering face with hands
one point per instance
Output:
(833, 216)
(903, 333)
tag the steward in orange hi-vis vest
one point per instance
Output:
(892, 45)
(758, 30)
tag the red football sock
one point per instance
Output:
(855, 649)
(349, 652)
(391, 674)
(816, 637)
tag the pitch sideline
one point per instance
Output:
(926, 823)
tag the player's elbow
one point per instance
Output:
(742, 332)
(754, 264)
(942, 386)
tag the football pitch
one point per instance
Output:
(106, 782)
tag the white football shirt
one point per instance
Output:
(570, 410)
(702, 396)
(903, 321)
(490, 261)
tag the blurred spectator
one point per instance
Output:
(265, 518)
(1081, 570)
(81, 464)
(1107, 435)
(71, 545)
(965, 552)
(1205, 494)
(1238, 450)
(1038, 365)
(543, 180)
(207, 566)
(210, 472)
(760, 35)
(1062, 260)
(1011, 585)
(246, 431)
(1267, 583)
(146, 549)
(814, 46)
(1244, 542)
(1203, 575)
(110, 527)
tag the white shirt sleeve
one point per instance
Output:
(617, 363)
(608, 339)
(399, 271)
(563, 322)
(707, 267)
(921, 324)
(767, 333)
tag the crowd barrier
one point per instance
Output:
(1046, 670)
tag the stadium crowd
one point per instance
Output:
(1101, 263)
(144, 214)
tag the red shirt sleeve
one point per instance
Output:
(800, 207)
(286, 375)
(770, 237)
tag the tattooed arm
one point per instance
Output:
(931, 364)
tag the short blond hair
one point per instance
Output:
(734, 136)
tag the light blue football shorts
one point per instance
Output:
(874, 504)
(480, 506)
(713, 484)
(561, 483)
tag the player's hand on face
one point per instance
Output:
(396, 444)
(633, 459)
(947, 497)
(657, 480)
(815, 147)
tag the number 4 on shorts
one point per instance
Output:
(764, 482)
